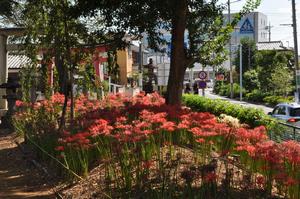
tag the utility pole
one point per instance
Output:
(241, 73)
(296, 51)
(230, 52)
(269, 30)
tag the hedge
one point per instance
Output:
(251, 116)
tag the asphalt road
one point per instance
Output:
(209, 94)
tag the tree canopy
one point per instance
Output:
(201, 20)
(11, 12)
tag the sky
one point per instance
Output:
(278, 12)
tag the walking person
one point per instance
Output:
(196, 88)
(187, 88)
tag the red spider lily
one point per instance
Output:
(60, 148)
(290, 181)
(209, 177)
(78, 141)
(291, 150)
(141, 124)
(253, 135)
(19, 103)
(58, 98)
(168, 126)
(184, 124)
(147, 164)
(153, 117)
(224, 129)
(200, 140)
(260, 181)
(269, 151)
(121, 119)
(282, 176)
(197, 131)
(99, 127)
(246, 146)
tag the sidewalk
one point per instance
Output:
(211, 95)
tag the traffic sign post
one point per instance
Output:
(202, 75)
(202, 85)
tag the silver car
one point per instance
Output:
(288, 112)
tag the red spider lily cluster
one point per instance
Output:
(125, 125)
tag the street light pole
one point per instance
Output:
(296, 60)
(230, 52)
(241, 73)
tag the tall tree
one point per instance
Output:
(200, 20)
(267, 62)
(51, 28)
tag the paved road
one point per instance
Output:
(209, 94)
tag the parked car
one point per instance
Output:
(288, 112)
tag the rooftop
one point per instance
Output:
(17, 61)
(271, 45)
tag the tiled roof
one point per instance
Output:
(17, 61)
(272, 45)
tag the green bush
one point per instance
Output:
(250, 80)
(273, 100)
(217, 87)
(224, 90)
(256, 95)
(251, 116)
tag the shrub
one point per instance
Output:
(274, 100)
(251, 116)
(256, 95)
(217, 86)
(250, 80)
(224, 90)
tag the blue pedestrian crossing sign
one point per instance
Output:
(246, 27)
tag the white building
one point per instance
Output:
(253, 25)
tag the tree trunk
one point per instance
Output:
(178, 57)
(60, 70)
(66, 94)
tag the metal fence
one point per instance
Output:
(285, 132)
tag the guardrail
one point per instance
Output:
(285, 132)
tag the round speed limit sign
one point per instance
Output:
(202, 75)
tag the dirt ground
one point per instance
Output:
(19, 178)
